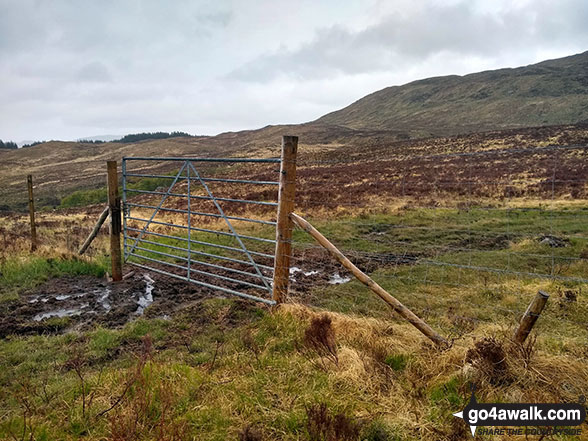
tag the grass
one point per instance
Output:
(22, 273)
(192, 387)
(223, 365)
(82, 198)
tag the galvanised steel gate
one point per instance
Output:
(184, 229)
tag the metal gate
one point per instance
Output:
(176, 225)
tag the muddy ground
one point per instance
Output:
(81, 302)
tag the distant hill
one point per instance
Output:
(547, 93)
(501, 103)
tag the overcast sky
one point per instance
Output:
(70, 69)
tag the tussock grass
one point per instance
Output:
(212, 389)
(222, 366)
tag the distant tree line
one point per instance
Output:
(8, 145)
(32, 144)
(91, 141)
(155, 135)
(134, 137)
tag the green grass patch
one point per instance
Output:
(21, 273)
(81, 198)
(397, 362)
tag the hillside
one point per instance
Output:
(550, 92)
(59, 168)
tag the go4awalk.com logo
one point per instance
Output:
(559, 418)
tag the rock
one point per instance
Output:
(553, 241)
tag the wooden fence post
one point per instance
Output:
(32, 213)
(287, 191)
(115, 222)
(406, 313)
(530, 317)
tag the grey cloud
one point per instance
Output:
(94, 72)
(396, 41)
(221, 19)
(73, 68)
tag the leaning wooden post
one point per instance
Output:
(115, 224)
(32, 213)
(287, 191)
(530, 317)
(95, 231)
(364, 278)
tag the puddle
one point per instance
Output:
(311, 273)
(336, 279)
(295, 269)
(147, 299)
(63, 297)
(60, 313)
(103, 300)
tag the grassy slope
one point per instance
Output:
(223, 365)
(551, 92)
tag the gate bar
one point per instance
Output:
(204, 273)
(197, 213)
(214, 245)
(235, 181)
(214, 256)
(207, 285)
(142, 158)
(212, 265)
(240, 181)
(205, 198)
(204, 230)
(185, 240)
(185, 259)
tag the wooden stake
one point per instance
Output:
(364, 278)
(32, 213)
(115, 221)
(530, 317)
(287, 191)
(95, 231)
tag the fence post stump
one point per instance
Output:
(32, 213)
(115, 222)
(530, 317)
(287, 191)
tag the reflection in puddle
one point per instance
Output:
(63, 297)
(103, 300)
(60, 313)
(295, 269)
(336, 279)
(147, 299)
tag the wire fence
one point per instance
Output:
(463, 235)
(459, 236)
